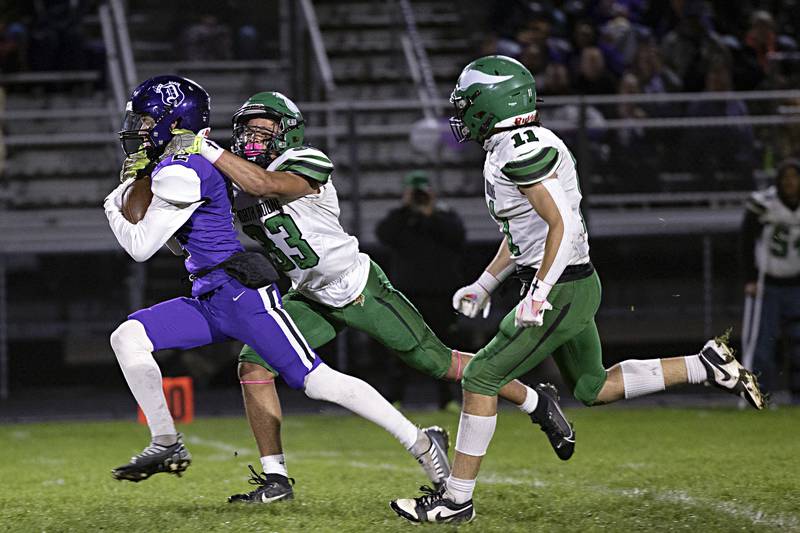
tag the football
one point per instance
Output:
(136, 199)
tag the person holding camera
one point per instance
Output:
(426, 239)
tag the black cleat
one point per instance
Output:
(434, 506)
(434, 461)
(270, 488)
(551, 419)
(155, 458)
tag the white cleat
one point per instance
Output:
(726, 373)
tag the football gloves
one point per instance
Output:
(133, 166)
(530, 310)
(476, 297)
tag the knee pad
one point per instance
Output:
(319, 383)
(476, 380)
(130, 337)
(587, 388)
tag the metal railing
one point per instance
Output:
(318, 47)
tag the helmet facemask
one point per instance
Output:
(259, 144)
(143, 132)
(461, 131)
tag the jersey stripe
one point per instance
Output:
(321, 176)
(544, 164)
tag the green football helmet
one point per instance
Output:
(492, 92)
(260, 145)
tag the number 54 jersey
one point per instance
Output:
(303, 237)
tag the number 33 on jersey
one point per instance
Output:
(303, 237)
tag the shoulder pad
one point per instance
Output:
(530, 162)
(308, 162)
(176, 182)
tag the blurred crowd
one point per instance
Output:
(46, 35)
(592, 47)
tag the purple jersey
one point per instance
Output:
(209, 236)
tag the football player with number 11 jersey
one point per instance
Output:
(533, 194)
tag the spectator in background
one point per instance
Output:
(593, 77)
(693, 46)
(775, 253)
(13, 46)
(634, 161)
(207, 40)
(727, 148)
(426, 241)
(654, 77)
(56, 36)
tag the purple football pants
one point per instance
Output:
(233, 312)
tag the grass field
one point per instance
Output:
(633, 470)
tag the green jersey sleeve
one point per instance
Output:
(532, 166)
(307, 162)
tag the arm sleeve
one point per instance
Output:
(571, 231)
(310, 163)
(532, 167)
(160, 222)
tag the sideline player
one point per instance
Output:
(290, 206)
(233, 294)
(533, 194)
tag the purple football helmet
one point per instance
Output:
(155, 105)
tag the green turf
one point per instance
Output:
(634, 470)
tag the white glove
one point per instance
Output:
(473, 298)
(530, 311)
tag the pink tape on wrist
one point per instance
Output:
(459, 375)
(257, 381)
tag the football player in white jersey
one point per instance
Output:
(533, 194)
(771, 248)
(289, 204)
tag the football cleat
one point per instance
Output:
(434, 461)
(550, 418)
(433, 506)
(269, 488)
(726, 373)
(155, 458)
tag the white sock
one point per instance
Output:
(695, 369)
(642, 376)
(531, 401)
(475, 433)
(460, 490)
(274, 464)
(325, 383)
(134, 353)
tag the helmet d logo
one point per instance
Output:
(170, 92)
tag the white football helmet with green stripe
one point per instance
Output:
(492, 93)
(260, 145)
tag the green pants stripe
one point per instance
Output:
(382, 312)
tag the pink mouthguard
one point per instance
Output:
(253, 149)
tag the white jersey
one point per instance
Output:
(522, 157)
(303, 237)
(779, 254)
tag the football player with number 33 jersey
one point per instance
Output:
(289, 204)
(533, 194)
